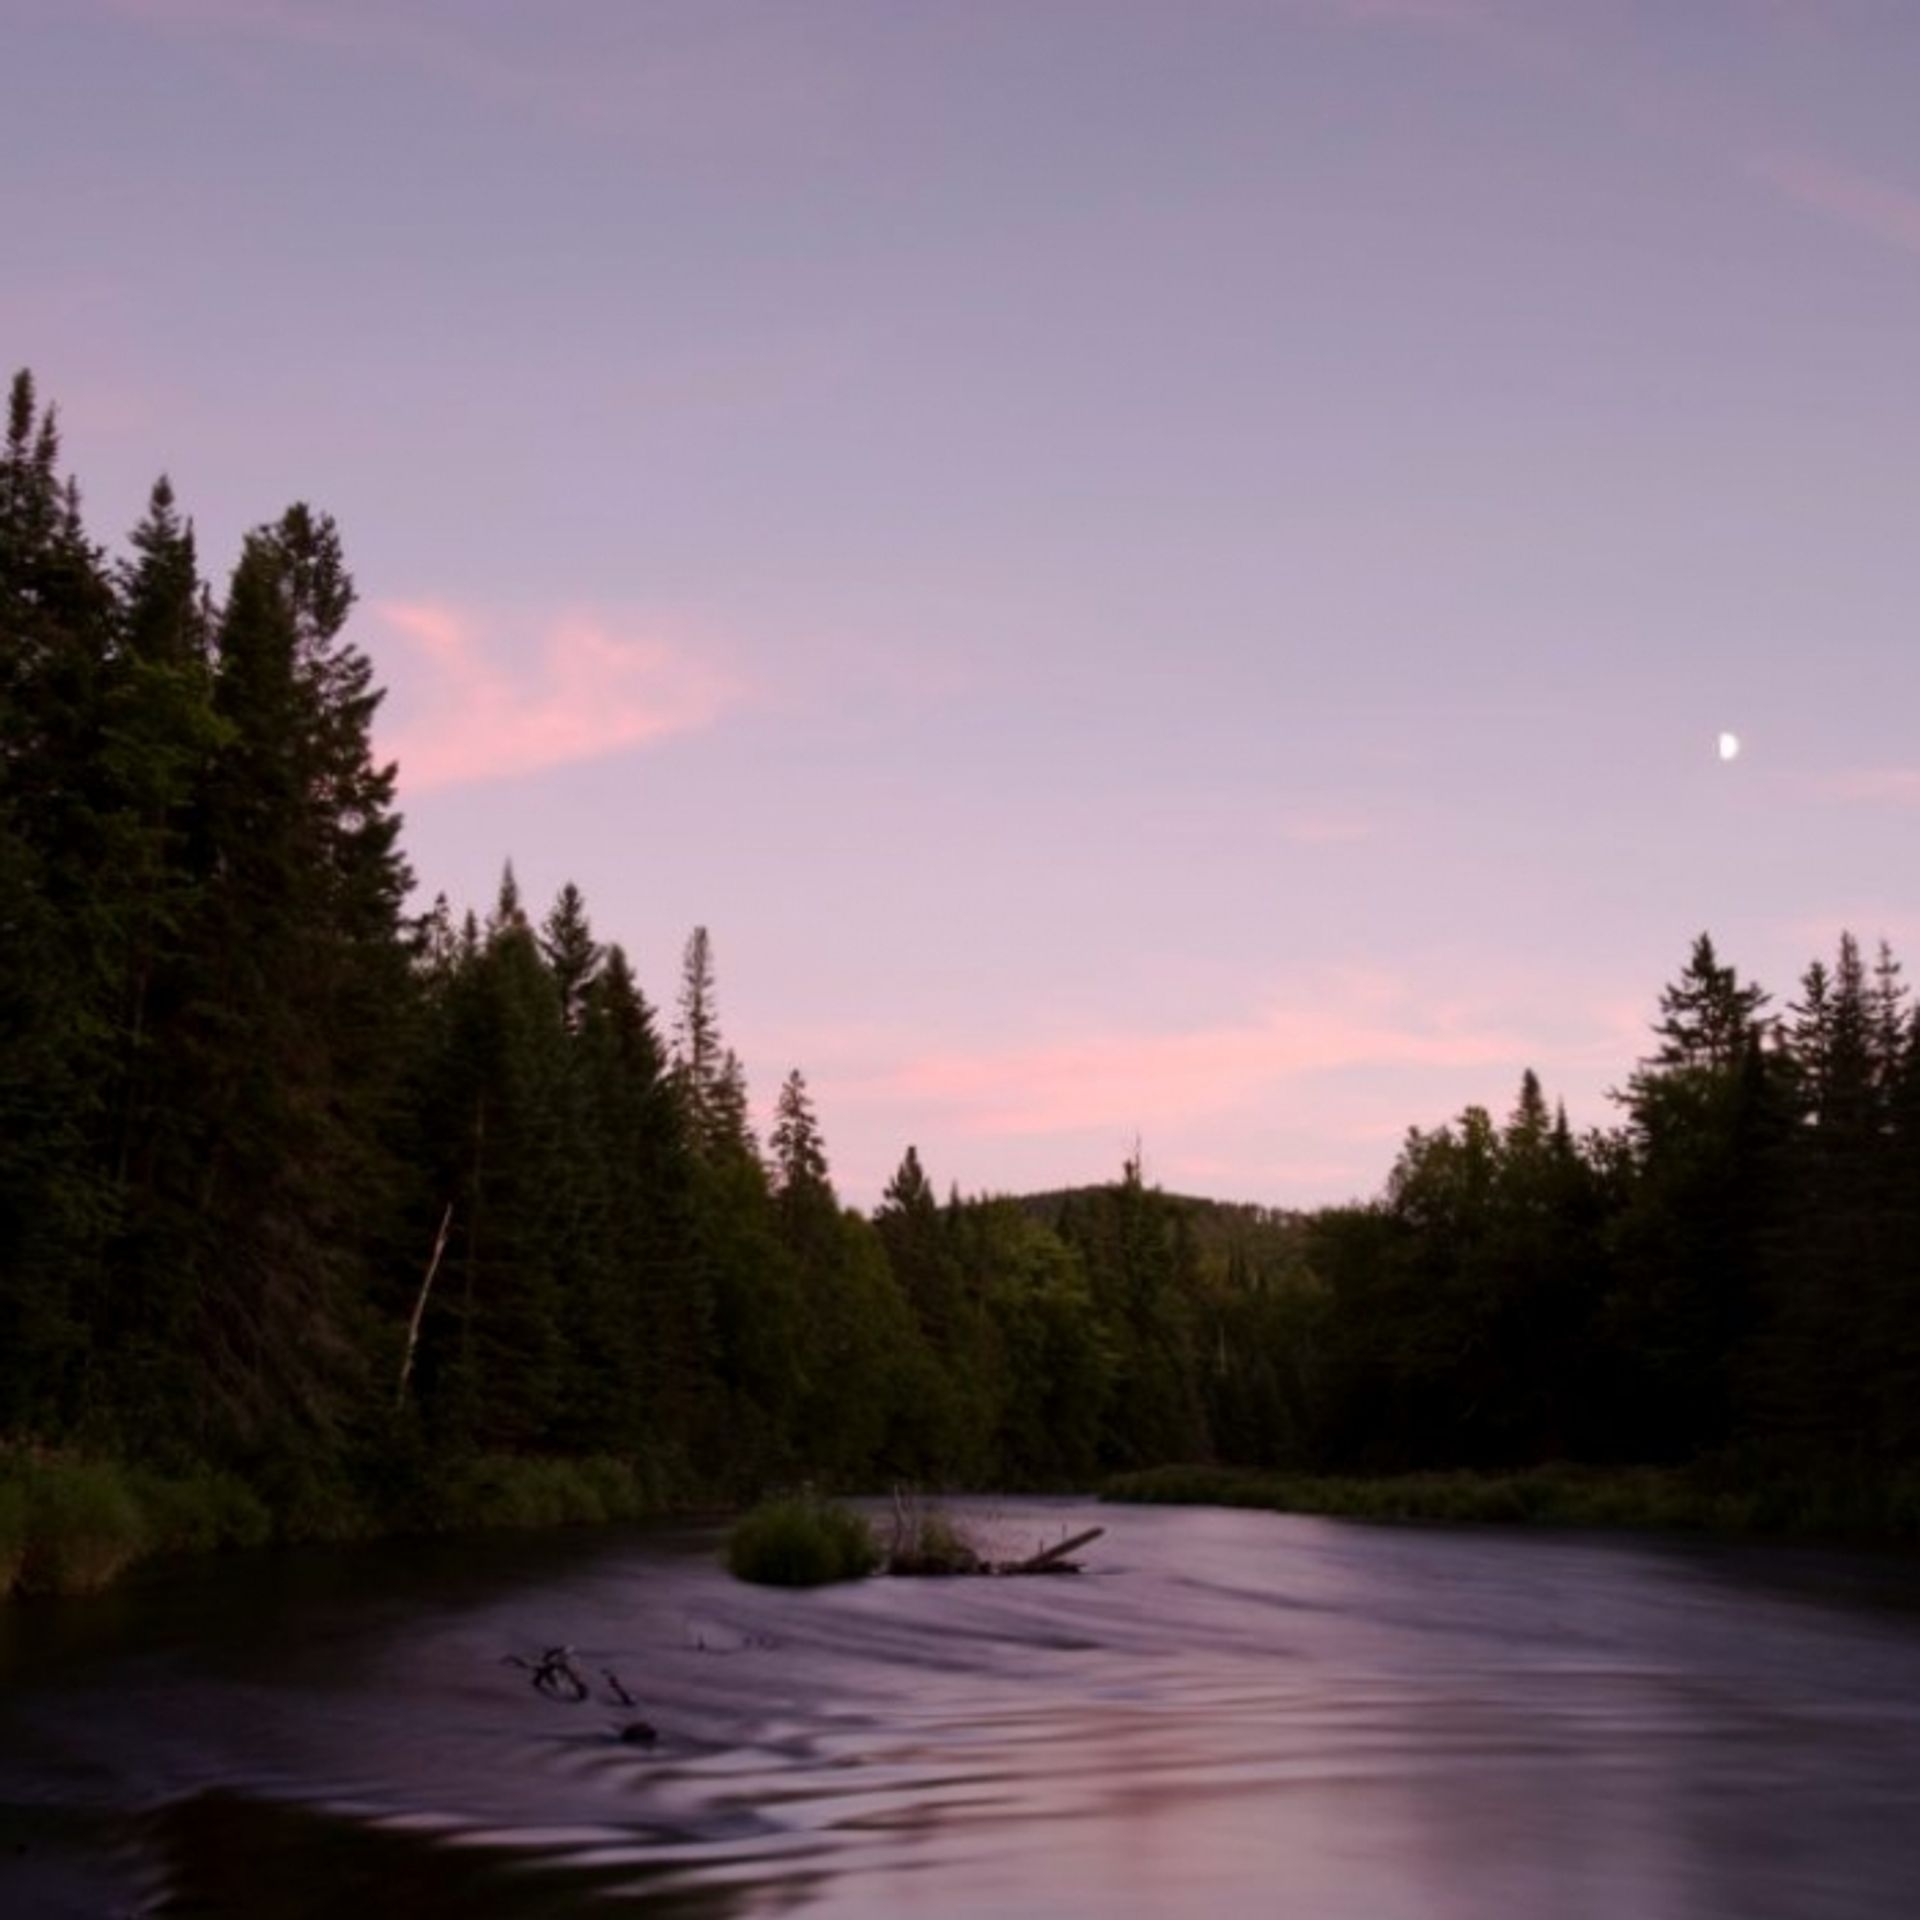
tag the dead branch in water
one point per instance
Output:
(1053, 1559)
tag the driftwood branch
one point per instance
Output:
(1054, 1559)
(420, 1306)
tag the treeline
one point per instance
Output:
(298, 1184)
(1733, 1275)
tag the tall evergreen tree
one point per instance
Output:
(1705, 1113)
(292, 978)
(62, 919)
(573, 956)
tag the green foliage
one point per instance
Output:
(504, 1490)
(13, 1531)
(84, 1527)
(314, 1497)
(801, 1541)
(199, 1511)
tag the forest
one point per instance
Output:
(360, 1204)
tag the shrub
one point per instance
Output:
(83, 1528)
(615, 1486)
(509, 1490)
(202, 1510)
(801, 1542)
(312, 1500)
(13, 1533)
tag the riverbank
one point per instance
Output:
(1653, 1498)
(73, 1525)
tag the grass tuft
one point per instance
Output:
(927, 1540)
(801, 1541)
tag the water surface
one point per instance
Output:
(1229, 1713)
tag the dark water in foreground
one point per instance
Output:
(1230, 1713)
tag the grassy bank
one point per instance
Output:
(1652, 1498)
(70, 1525)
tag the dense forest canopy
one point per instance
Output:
(299, 1181)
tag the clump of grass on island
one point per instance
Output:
(927, 1540)
(1653, 1498)
(801, 1540)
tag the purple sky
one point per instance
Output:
(1146, 568)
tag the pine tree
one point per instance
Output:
(799, 1156)
(712, 1082)
(1705, 1016)
(63, 917)
(649, 1369)
(696, 1039)
(292, 981)
(572, 954)
(1705, 1117)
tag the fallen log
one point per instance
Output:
(1053, 1559)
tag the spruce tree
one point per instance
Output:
(63, 919)
(292, 980)
(799, 1156)
(572, 954)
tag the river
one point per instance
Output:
(1226, 1714)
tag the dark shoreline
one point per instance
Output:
(1651, 1499)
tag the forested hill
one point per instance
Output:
(1238, 1241)
(346, 1198)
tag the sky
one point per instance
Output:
(1159, 571)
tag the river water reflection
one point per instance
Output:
(1229, 1713)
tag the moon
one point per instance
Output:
(1729, 746)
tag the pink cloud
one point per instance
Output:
(1893, 786)
(477, 713)
(1324, 830)
(1306, 1098)
(1167, 1079)
(1855, 200)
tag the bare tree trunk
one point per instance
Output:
(420, 1305)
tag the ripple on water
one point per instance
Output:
(1243, 1713)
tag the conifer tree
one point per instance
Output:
(696, 1034)
(572, 954)
(1705, 1114)
(63, 917)
(650, 1368)
(799, 1157)
(292, 979)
